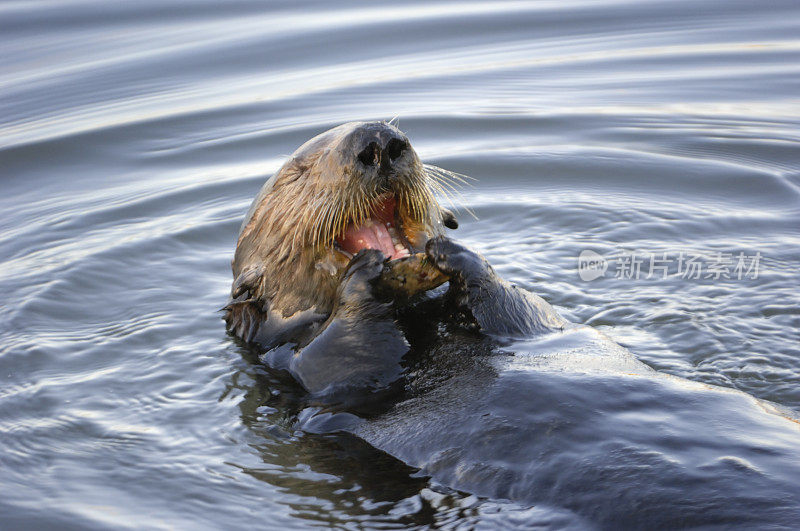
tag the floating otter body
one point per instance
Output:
(570, 420)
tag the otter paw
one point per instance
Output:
(453, 259)
(365, 266)
(360, 276)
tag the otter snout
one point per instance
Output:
(383, 151)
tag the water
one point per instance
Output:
(133, 137)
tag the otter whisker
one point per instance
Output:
(450, 191)
(444, 193)
(322, 227)
(452, 180)
(453, 197)
(340, 220)
(314, 229)
(444, 184)
(448, 174)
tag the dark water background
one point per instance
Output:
(133, 136)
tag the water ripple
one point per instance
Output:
(134, 135)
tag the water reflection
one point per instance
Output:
(333, 478)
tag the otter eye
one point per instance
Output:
(370, 154)
(395, 148)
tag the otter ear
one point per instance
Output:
(247, 280)
(449, 219)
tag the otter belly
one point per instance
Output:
(572, 420)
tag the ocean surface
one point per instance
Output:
(660, 139)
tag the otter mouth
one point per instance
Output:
(382, 231)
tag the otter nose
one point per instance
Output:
(384, 156)
(395, 147)
(391, 152)
(371, 154)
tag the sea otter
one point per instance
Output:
(481, 384)
(346, 205)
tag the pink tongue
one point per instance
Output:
(373, 234)
(370, 236)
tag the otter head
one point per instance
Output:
(359, 185)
